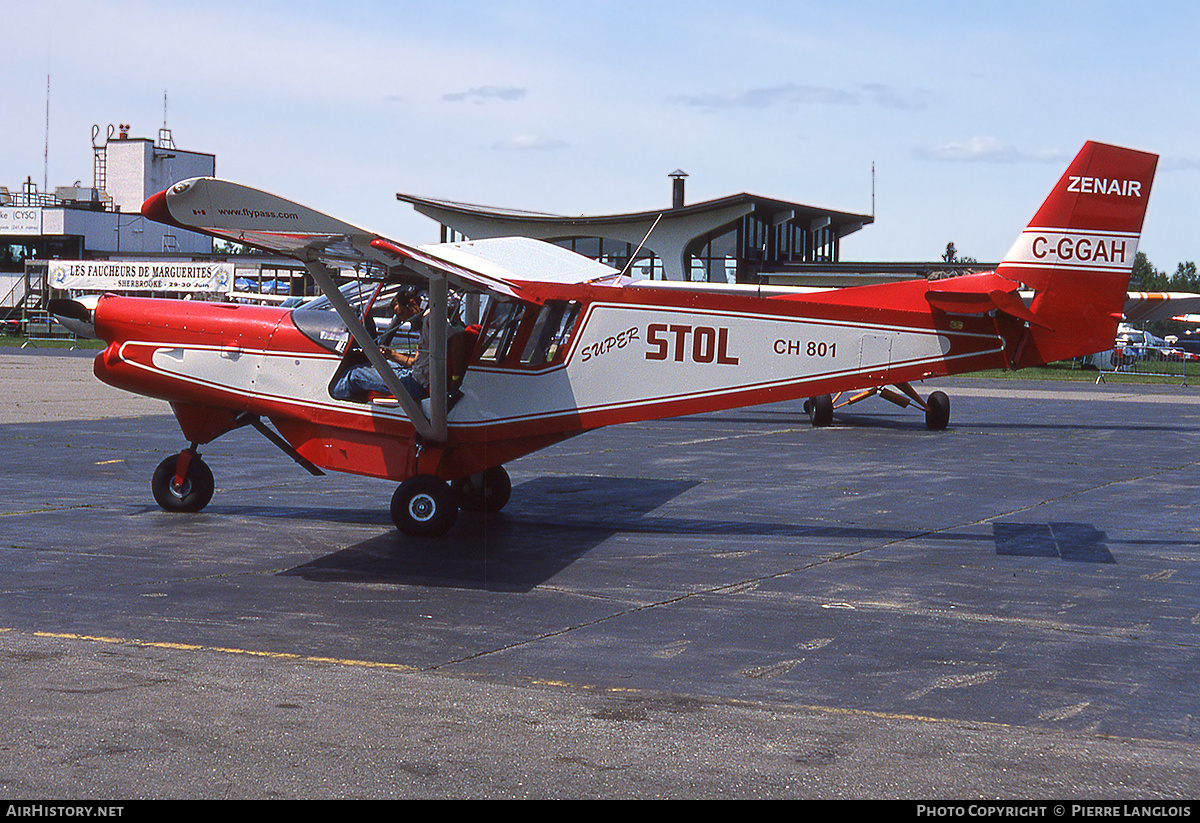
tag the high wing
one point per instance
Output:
(508, 268)
(255, 218)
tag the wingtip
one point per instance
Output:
(155, 208)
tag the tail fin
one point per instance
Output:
(1078, 251)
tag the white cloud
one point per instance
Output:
(987, 150)
(482, 94)
(799, 94)
(762, 98)
(529, 142)
(889, 98)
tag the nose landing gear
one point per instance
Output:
(183, 482)
(423, 505)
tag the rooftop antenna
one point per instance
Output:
(872, 190)
(46, 149)
(165, 140)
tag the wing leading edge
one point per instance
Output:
(231, 211)
(241, 214)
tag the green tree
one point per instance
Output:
(229, 247)
(1145, 277)
(1185, 278)
(951, 255)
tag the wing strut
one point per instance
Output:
(324, 279)
(438, 298)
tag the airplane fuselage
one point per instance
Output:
(633, 352)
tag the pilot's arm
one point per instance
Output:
(404, 358)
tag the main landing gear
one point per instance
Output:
(423, 505)
(937, 405)
(426, 506)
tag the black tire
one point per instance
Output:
(197, 488)
(820, 410)
(424, 506)
(489, 496)
(937, 411)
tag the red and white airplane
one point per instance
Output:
(567, 344)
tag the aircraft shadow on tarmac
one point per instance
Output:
(912, 420)
(548, 524)
(915, 423)
(1074, 542)
(557, 520)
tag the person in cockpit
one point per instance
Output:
(411, 367)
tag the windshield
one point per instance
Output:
(320, 323)
(318, 320)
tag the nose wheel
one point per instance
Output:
(937, 411)
(183, 483)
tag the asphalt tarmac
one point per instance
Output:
(732, 605)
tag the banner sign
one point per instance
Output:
(25, 220)
(132, 275)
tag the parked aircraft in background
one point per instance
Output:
(565, 344)
(1133, 345)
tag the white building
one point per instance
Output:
(104, 220)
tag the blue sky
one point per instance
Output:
(968, 111)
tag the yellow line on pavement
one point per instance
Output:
(190, 647)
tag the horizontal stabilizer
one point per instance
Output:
(979, 294)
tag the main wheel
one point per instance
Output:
(820, 410)
(193, 495)
(424, 506)
(486, 492)
(937, 411)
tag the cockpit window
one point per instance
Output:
(324, 328)
(318, 320)
(539, 334)
(550, 332)
(500, 331)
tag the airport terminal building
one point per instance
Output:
(741, 238)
